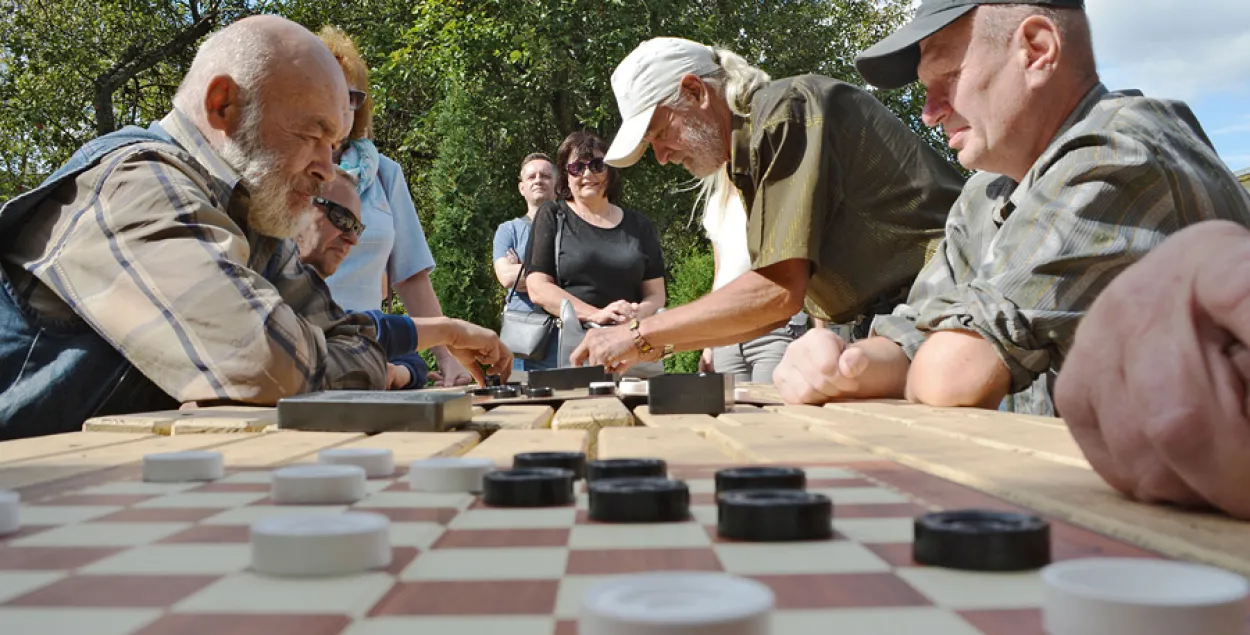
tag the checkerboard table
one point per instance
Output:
(101, 551)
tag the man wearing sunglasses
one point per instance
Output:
(323, 245)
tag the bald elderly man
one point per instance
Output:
(155, 268)
(324, 243)
(1074, 182)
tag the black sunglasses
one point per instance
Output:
(596, 165)
(342, 218)
(356, 98)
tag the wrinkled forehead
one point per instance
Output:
(313, 93)
(944, 50)
(537, 166)
(341, 191)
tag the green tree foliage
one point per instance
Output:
(692, 279)
(463, 90)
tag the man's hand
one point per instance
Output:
(820, 367)
(1155, 388)
(454, 372)
(612, 347)
(706, 363)
(397, 377)
(473, 345)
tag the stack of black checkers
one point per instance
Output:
(635, 491)
(981, 540)
(770, 504)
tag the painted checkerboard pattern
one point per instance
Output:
(117, 556)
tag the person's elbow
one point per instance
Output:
(958, 369)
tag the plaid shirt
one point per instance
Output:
(151, 248)
(1021, 263)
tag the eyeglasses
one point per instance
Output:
(596, 165)
(342, 218)
(356, 98)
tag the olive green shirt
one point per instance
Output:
(829, 174)
(1022, 262)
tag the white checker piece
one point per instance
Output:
(15, 583)
(63, 515)
(250, 514)
(71, 620)
(896, 620)
(554, 518)
(415, 534)
(964, 590)
(505, 563)
(629, 536)
(175, 559)
(836, 556)
(250, 593)
(484, 625)
(875, 530)
(101, 535)
(222, 500)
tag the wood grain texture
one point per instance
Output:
(675, 445)
(214, 420)
(513, 417)
(592, 415)
(504, 444)
(783, 443)
(411, 446)
(63, 465)
(687, 422)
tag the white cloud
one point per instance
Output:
(1237, 128)
(1178, 49)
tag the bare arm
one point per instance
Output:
(419, 298)
(506, 271)
(546, 293)
(653, 297)
(958, 368)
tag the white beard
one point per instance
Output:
(269, 213)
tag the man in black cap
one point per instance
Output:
(1074, 184)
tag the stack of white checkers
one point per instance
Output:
(304, 545)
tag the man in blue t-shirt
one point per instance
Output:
(537, 186)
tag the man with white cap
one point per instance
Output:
(1074, 184)
(843, 201)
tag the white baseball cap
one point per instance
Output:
(648, 75)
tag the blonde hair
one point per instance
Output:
(357, 73)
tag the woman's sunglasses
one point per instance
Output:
(596, 165)
(356, 98)
(342, 218)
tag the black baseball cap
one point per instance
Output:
(892, 62)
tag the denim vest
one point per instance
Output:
(55, 374)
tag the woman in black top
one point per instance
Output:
(610, 267)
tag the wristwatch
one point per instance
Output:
(644, 347)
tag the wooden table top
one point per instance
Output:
(1031, 462)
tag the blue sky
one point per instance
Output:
(1197, 51)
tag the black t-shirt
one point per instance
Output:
(597, 266)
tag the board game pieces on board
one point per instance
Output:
(320, 544)
(376, 462)
(574, 462)
(319, 484)
(976, 540)
(677, 603)
(528, 487)
(447, 474)
(177, 467)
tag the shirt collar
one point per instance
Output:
(183, 131)
(740, 147)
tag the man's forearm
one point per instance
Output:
(751, 305)
(419, 298)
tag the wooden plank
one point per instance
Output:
(761, 418)
(675, 445)
(1056, 488)
(784, 443)
(513, 417)
(281, 447)
(504, 444)
(979, 426)
(592, 415)
(19, 450)
(64, 465)
(411, 446)
(217, 419)
(688, 422)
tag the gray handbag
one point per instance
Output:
(528, 334)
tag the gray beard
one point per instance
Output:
(269, 213)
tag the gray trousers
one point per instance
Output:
(753, 360)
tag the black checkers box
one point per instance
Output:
(372, 411)
(567, 378)
(574, 462)
(528, 487)
(982, 540)
(690, 394)
(647, 499)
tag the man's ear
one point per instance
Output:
(693, 88)
(1039, 43)
(223, 109)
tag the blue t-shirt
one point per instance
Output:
(515, 234)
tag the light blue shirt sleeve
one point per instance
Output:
(505, 239)
(411, 253)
